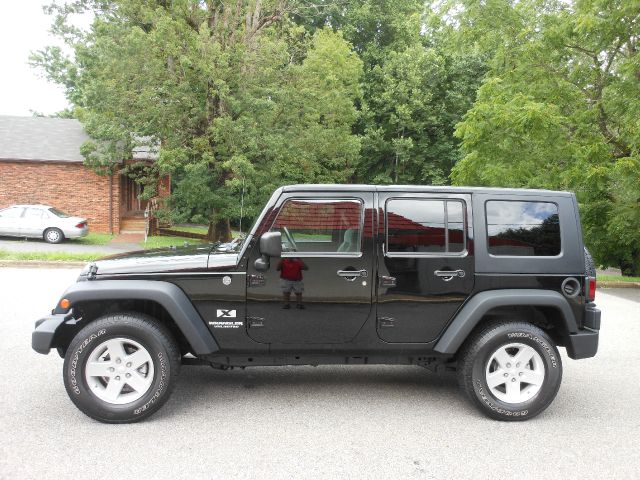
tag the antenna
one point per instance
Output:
(241, 205)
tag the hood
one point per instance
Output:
(163, 260)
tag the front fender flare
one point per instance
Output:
(170, 296)
(473, 311)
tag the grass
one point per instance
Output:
(617, 278)
(161, 242)
(49, 256)
(201, 229)
(93, 239)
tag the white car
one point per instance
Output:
(41, 221)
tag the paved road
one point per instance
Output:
(327, 422)
(35, 245)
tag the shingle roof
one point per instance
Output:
(47, 139)
(41, 138)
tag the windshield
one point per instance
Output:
(58, 213)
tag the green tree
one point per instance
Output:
(231, 91)
(559, 108)
(415, 87)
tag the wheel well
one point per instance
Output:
(548, 319)
(86, 312)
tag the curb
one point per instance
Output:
(40, 264)
(614, 284)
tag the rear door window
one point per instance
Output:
(523, 229)
(424, 227)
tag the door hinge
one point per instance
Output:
(386, 322)
(255, 280)
(255, 322)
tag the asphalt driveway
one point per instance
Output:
(308, 423)
(11, 244)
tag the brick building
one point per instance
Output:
(40, 163)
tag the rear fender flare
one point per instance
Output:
(477, 307)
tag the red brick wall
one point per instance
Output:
(70, 187)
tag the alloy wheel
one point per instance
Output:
(515, 373)
(119, 371)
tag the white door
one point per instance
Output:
(32, 223)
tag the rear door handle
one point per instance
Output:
(351, 275)
(447, 275)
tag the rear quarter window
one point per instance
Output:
(523, 228)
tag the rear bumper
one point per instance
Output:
(584, 344)
(75, 232)
(44, 333)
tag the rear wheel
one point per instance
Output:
(121, 368)
(53, 235)
(510, 370)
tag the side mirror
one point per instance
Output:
(270, 246)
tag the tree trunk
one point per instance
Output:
(631, 268)
(219, 231)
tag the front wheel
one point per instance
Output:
(510, 370)
(121, 368)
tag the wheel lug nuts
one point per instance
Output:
(111, 369)
(513, 379)
(517, 365)
(506, 374)
(118, 360)
(117, 378)
(508, 365)
(128, 375)
(128, 364)
(521, 373)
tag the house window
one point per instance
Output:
(523, 229)
(425, 227)
(319, 227)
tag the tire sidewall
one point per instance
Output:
(76, 383)
(553, 374)
(60, 235)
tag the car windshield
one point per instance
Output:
(58, 213)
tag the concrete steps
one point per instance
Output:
(132, 225)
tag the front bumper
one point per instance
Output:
(43, 336)
(584, 344)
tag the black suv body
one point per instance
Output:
(473, 279)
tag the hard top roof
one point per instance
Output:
(417, 188)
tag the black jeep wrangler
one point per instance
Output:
(487, 282)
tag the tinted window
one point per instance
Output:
(425, 226)
(58, 213)
(320, 226)
(523, 229)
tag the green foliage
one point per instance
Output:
(559, 109)
(164, 242)
(49, 256)
(93, 239)
(231, 91)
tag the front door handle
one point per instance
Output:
(351, 275)
(447, 275)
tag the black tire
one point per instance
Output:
(473, 367)
(53, 235)
(138, 328)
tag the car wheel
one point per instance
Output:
(510, 370)
(53, 235)
(121, 368)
